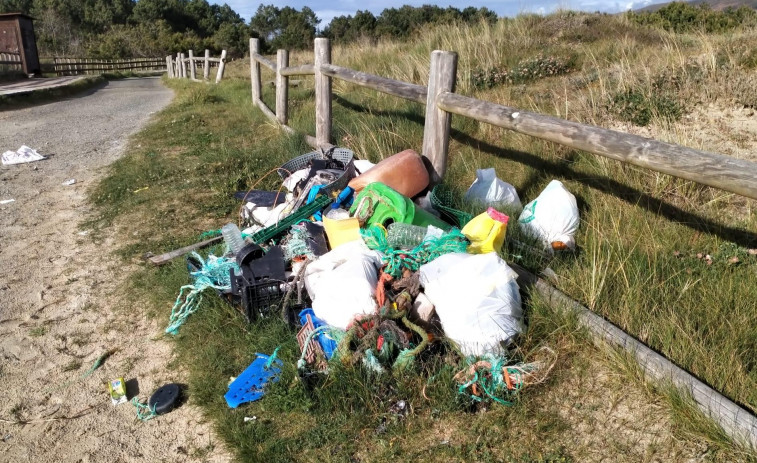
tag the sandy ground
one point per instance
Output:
(57, 296)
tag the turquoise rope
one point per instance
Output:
(143, 415)
(430, 248)
(214, 273)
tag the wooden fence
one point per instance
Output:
(185, 67)
(724, 172)
(11, 61)
(81, 66)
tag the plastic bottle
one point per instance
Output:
(233, 237)
(486, 232)
(405, 235)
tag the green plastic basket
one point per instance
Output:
(442, 199)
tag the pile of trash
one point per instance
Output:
(372, 269)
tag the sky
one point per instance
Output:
(328, 9)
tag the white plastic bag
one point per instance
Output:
(552, 217)
(491, 190)
(342, 283)
(476, 298)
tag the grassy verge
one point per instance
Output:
(638, 263)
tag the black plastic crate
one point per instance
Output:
(262, 299)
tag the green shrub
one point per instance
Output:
(683, 17)
(526, 71)
(638, 108)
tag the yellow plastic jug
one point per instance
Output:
(486, 231)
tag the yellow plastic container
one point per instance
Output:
(486, 231)
(341, 231)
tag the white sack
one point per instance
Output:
(552, 216)
(476, 298)
(491, 190)
(342, 283)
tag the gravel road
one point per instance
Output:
(57, 295)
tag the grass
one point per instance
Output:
(638, 262)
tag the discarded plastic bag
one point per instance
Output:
(491, 190)
(486, 232)
(476, 298)
(342, 283)
(22, 155)
(552, 217)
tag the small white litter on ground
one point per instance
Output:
(6, 201)
(69, 182)
(24, 154)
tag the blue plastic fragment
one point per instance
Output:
(328, 344)
(248, 387)
(345, 198)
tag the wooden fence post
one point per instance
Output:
(183, 66)
(206, 68)
(441, 78)
(169, 67)
(221, 66)
(255, 70)
(322, 92)
(192, 72)
(282, 86)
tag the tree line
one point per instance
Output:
(131, 28)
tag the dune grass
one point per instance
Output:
(656, 254)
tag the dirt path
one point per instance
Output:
(57, 290)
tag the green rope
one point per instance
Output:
(214, 273)
(406, 358)
(429, 249)
(493, 382)
(98, 363)
(144, 412)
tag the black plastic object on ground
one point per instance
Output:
(261, 198)
(261, 285)
(165, 398)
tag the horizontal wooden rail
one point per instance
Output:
(13, 63)
(264, 61)
(736, 421)
(202, 59)
(724, 172)
(160, 62)
(304, 70)
(397, 88)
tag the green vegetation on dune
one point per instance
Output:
(656, 254)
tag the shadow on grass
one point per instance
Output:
(600, 183)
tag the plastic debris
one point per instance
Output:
(249, 385)
(492, 191)
(69, 182)
(486, 232)
(404, 172)
(477, 299)
(552, 217)
(22, 155)
(7, 201)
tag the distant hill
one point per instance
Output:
(717, 5)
